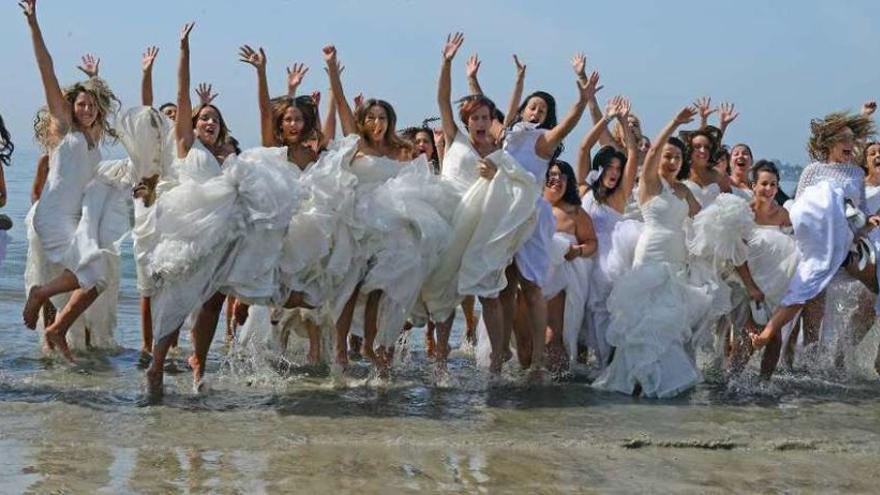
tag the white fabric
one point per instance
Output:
(492, 220)
(823, 239)
(533, 260)
(704, 195)
(572, 277)
(605, 219)
(651, 344)
(220, 229)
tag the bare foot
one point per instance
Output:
(144, 358)
(240, 310)
(430, 345)
(58, 342)
(342, 359)
(762, 339)
(314, 356)
(31, 312)
(154, 385)
(370, 354)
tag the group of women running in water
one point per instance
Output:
(635, 260)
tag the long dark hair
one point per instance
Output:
(550, 119)
(571, 195)
(712, 133)
(306, 105)
(6, 146)
(602, 160)
(410, 134)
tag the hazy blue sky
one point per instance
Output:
(781, 62)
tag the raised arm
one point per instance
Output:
(258, 59)
(727, 115)
(58, 106)
(346, 116)
(147, 60)
(649, 179)
(632, 155)
(472, 69)
(444, 86)
(516, 97)
(183, 128)
(295, 76)
(328, 131)
(550, 140)
(590, 139)
(704, 107)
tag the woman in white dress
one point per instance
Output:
(493, 216)
(568, 283)
(82, 213)
(219, 231)
(773, 258)
(740, 167)
(608, 185)
(401, 224)
(534, 140)
(819, 215)
(697, 172)
(651, 356)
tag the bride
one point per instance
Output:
(651, 357)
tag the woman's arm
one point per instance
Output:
(586, 237)
(755, 292)
(59, 109)
(444, 86)
(727, 115)
(147, 60)
(704, 107)
(583, 157)
(40, 178)
(471, 69)
(649, 179)
(550, 140)
(346, 116)
(183, 128)
(515, 98)
(295, 76)
(328, 133)
(258, 59)
(631, 168)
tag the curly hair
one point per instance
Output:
(712, 133)
(305, 104)
(390, 138)
(6, 146)
(550, 119)
(824, 132)
(46, 130)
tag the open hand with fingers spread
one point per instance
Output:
(148, 58)
(90, 65)
(204, 92)
(453, 43)
(253, 57)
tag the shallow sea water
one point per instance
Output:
(82, 429)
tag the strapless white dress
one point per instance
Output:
(572, 277)
(655, 307)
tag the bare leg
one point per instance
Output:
(522, 328)
(814, 313)
(781, 317)
(508, 299)
(444, 329)
(553, 334)
(771, 356)
(493, 318)
(297, 300)
(146, 330)
(240, 311)
(371, 326)
(314, 331)
(470, 318)
(203, 334)
(430, 344)
(56, 334)
(538, 316)
(343, 325)
(40, 294)
(156, 372)
(230, 318)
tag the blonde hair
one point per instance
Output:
(48, 132)
(824, 132)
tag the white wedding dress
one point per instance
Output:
(654, 308)
(220, 229)
(573, 278)
(492, 220)
(78, 225)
